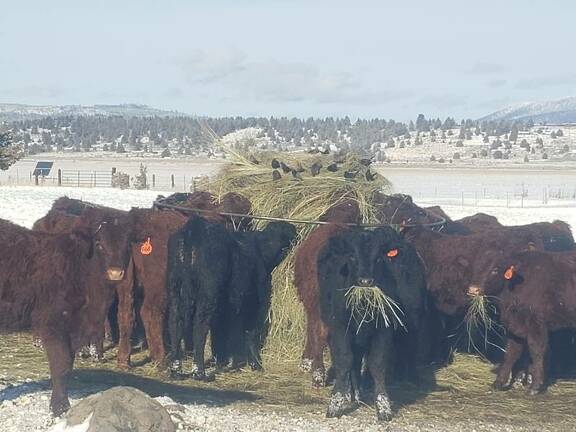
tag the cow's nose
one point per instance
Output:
(115, 273)
(366, 282)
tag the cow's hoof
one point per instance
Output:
(499, 386)
(534, 391)
(340, 404)
(202, 376)
(519, 380)
(318, 378)
(305, 365)
(383, 408)
(59, 407)
(256, 367)
(124, 365)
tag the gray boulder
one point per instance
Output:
(119, 409)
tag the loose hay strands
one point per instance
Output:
(304, 199)
(370, 304)
(479, 317)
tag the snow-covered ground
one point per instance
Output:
(26, 204)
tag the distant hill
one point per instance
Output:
(15, 112)
(559, 111)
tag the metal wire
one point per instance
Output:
(160, 204)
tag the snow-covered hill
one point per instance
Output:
(559, 111)
(11, 112)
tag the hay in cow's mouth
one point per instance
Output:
(370, 304)
(479, 317)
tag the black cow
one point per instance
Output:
(380, 259)
(222, 280)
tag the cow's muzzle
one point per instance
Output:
(115, 274)
(474, 290)
(365, 282)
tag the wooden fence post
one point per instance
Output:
(36, 179)
(172, 180)
(153, 180)
(59, 177)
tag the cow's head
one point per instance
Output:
(275, 241)
(399, 208)
(112, 244)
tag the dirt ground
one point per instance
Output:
(460, 395)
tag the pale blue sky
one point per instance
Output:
(295, 58)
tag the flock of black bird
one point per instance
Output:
(316, 167)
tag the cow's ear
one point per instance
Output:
(85, 241)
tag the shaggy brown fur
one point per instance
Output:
(539, 296)
(306, 281)
(51, 283)
(230, 202)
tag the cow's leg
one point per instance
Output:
(376, 362)
(152, 313)
(319, 336)
(177, 319)
(306, 361)
(341, 401)
(537, 345)
(200, 332)
(60, 360)
(125, 316)
(514, 348)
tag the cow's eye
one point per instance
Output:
(495, 271)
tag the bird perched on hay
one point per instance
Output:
(333, 167)
(313, 151)
(315, 169)
(325, 151)
(370, 176)
(351, 174)
(275, 164)
(365, 162)
(276, 175)
(296, 175)
(285, 168)
(254, 160)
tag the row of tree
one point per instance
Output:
(189, 135)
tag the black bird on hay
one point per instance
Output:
(315, 169)
(296, 175)
(333, 167)
(285, 168)
(325, 151)
(350, 174)
(276, 175)
(275, 164)
(370, 176)
(313, 151)
(254, 160)
(365, 162)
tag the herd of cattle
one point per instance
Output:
(85, 268)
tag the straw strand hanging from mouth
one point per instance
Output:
(368, 304)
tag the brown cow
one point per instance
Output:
(400, 209)
(210, 207)
(49, 283)
(149, 227)
(536, 294)
(306, 281)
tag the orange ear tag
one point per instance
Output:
(392, 253)
(146, 248)
(509, 274)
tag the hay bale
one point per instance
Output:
(305, 198)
